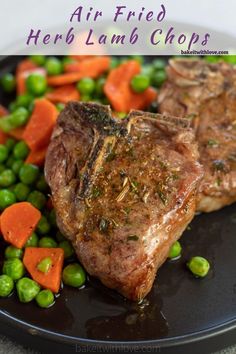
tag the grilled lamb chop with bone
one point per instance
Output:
(123, 191)
(206, 94)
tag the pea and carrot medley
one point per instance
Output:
(37, 256)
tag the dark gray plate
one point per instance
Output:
(180, 309)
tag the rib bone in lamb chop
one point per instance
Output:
(123, 191)
(206, 93)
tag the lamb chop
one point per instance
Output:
(206, 94)
(123, 191)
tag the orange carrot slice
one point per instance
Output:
(92, 67)
(52, 278)
(17, 133)
(63, 79)
(3, 111)
(38, 131)
(18, 221)
(118, 90)
(63, 94)
(37, 157)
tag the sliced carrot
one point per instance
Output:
(51, 279)
(3, 111)
(17, 133)
(37, 157)
(118, 90)
(92, 67)
(63, 79)
(63, 94)
(18, 221)
(142, 100)
(39, 129)
(3, 136)
(24, 69)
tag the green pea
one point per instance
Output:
(231, 59)
(28, 173)
(47, 242)
(147, 70)
(159, 64)
(175, 251)
(114, 62)
(52, 218)
(32, 240)
(2, 168)
(121, 115)
(10, 143)
(44, 265)
(21, 150)
(45, 298)
(53, 66)
(10, 161)
(24, 100)
(199, 266)
(99, 86)
(74, 275)
(85, 98)
(138, 58)
(14, 268)
(7, 198)
(13, 252)
(60, 106)
(59, 236)
(159, 78)
(37, 199)
(67, 248)
(38, 59)
(16, 166)
(16, 119)
(3, 153)
(6, 285)
(42, 185)
(67, 60)
(27, 289)
(8, 82)
(21, 191)
(43, 226)
(86, 86)
(212, 58)
(140, 83)
(7, 178)
(36, 84)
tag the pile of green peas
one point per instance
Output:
(25, 182)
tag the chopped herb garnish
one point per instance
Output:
(161, 193)
(163, 165)
(212, 142)
(111, 155)
(132, 238)
(218, 165)
(127, 210)
(104, 224)
(96, 192)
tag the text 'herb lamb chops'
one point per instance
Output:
(206, 93)
(123, 192)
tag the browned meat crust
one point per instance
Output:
(123, 192)
(206, 94)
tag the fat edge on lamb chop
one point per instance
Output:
(123, 191)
